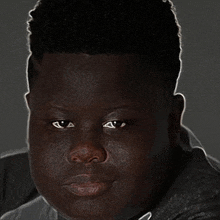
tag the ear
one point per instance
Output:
(178, 107)
(175, 117)
(27, 99)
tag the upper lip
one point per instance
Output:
(87, 178)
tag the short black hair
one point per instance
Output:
(144, 27)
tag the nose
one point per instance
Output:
(87, 153)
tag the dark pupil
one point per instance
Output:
(64, 123)
(117, 123)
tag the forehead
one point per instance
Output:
(103, 65)
(96, 77)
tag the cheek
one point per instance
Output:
(130, 155)
(161, 139)
(47, 154)
(141, 154)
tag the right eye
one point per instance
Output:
(61, 124)
(114, 124)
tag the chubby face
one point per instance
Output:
(99, 143)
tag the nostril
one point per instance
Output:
(87, 153)
(84, 158)
(75, 159)
(94, 159)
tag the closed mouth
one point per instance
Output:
(87, 185)
(87, 189)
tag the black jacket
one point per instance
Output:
(16, 184)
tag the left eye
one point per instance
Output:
(114, 124)
(63, 124)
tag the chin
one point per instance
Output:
(103, 207)
(88, 209)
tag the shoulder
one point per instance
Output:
(15, 162)
(38, 209)
(196, 191)
(16, 184)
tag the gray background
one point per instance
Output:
(199, 82)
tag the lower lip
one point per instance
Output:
(87, 189)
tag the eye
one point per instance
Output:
(114, 124)
(63, 124)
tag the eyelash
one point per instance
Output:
(106, 125)
(110, 124)
(57, 124)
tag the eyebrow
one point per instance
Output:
(129, 106)
(52, 106)
(126, 106)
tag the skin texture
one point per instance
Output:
(94, 119)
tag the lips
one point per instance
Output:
(87, 189)
(87, 185)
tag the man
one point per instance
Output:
(105, 135)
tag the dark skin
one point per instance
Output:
(99, 143)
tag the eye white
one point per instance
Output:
(63, 124)
(112, 124)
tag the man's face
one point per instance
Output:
(98, 147)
